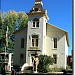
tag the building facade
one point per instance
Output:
(39, 34)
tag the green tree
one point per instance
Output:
(15, 21)
(44, 62)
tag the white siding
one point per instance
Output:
(62, 48)
(17, 46)
(40, 31)
(66, 52)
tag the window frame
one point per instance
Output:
(35, 23)
(55, 58)
(36, 9)
(21, 58)
(22, 42)
(34, 41)
(55, 43)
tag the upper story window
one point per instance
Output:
(35, 22)
(35, 40)
(55, 42)
(22, 42)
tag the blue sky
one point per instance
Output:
(59, 12)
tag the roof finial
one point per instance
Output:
(38, 0)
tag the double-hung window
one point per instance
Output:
(34, 40)
(55, 42)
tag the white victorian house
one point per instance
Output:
(51, 40)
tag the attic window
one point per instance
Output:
(36, 9)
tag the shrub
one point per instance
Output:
(16, 67)
(28, 71)
(68, 67)
(55, 69)
(1, 68)
(44, 62)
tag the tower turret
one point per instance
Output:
(36, 32)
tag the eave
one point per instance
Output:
(38, 13)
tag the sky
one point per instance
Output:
(59, 12)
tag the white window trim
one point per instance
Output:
(35, 24)
(34, 41)
(56, 58)
(52, 39)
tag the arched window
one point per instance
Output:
(35, 22)
(36, 9)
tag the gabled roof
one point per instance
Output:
(66, 33)
(20, 30)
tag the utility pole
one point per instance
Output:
(6, 45)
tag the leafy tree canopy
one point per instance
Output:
(14, 20)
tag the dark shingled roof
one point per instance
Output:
(37, 7)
